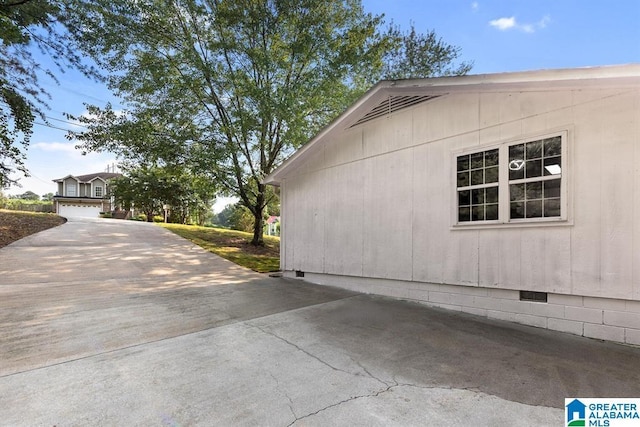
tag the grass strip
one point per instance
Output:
(233, 245)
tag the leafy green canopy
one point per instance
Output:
(150, 189)
(27, 27)
(234, 86)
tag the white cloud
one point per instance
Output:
(475, 6)
(55, 146)
(69, 153)
(527, 28)
(544, 21)
(505, 24)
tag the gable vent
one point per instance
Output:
(393, 104)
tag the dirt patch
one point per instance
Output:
(266, 250)
(15, 225)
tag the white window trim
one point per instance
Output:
(504, 220)
(75, 189)
(95, 191)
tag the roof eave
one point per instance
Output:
(64, 178)
(555, 79)
(272, 178)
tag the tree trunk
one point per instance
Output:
(258, 240)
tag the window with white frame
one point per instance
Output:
(98, 191)
(535, 175)
(514, 182)
(71, 189)
(477, 182)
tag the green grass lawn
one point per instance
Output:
(233, 245)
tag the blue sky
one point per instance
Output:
(498, 36)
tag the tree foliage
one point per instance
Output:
(233, 87)
(237, 217)
(150, 188)
(28, 27)
(28, 195)
(417, 55)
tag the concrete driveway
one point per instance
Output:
(106, 322)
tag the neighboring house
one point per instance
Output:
(513, 196)
(272, 226)
(83, 195)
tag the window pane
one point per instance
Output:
(534, 150)
(552, 146)
(517, 210)
(477, 213)
(552, 188)
(477, 160)
(551, 207)
(516, 192)
(463, 179)
(492, 195)
(534, 190)
(463, 163)
(516, 152)
(533, 168)
(491, 175)
(534, 209)
(491, 158)
(464, 214)
(477, 177)
(491, 212)
(552, 166)
(516, 174)
(464, 198)
(477, 196)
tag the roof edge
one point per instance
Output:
(457, 83)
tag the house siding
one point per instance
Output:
(376, 204)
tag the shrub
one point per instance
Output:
(28, 205)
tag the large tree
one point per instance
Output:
(234, 86)
(149, 188)
(28, 27)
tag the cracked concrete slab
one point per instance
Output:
(185, 338)
(438, 406)
(237, 375)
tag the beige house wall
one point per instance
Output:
(378, 203)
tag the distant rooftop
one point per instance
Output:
(90, 177)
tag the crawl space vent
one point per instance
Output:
(393, 104)
(533, 296)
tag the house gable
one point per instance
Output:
(371, 106)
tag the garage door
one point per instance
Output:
(83, 211)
